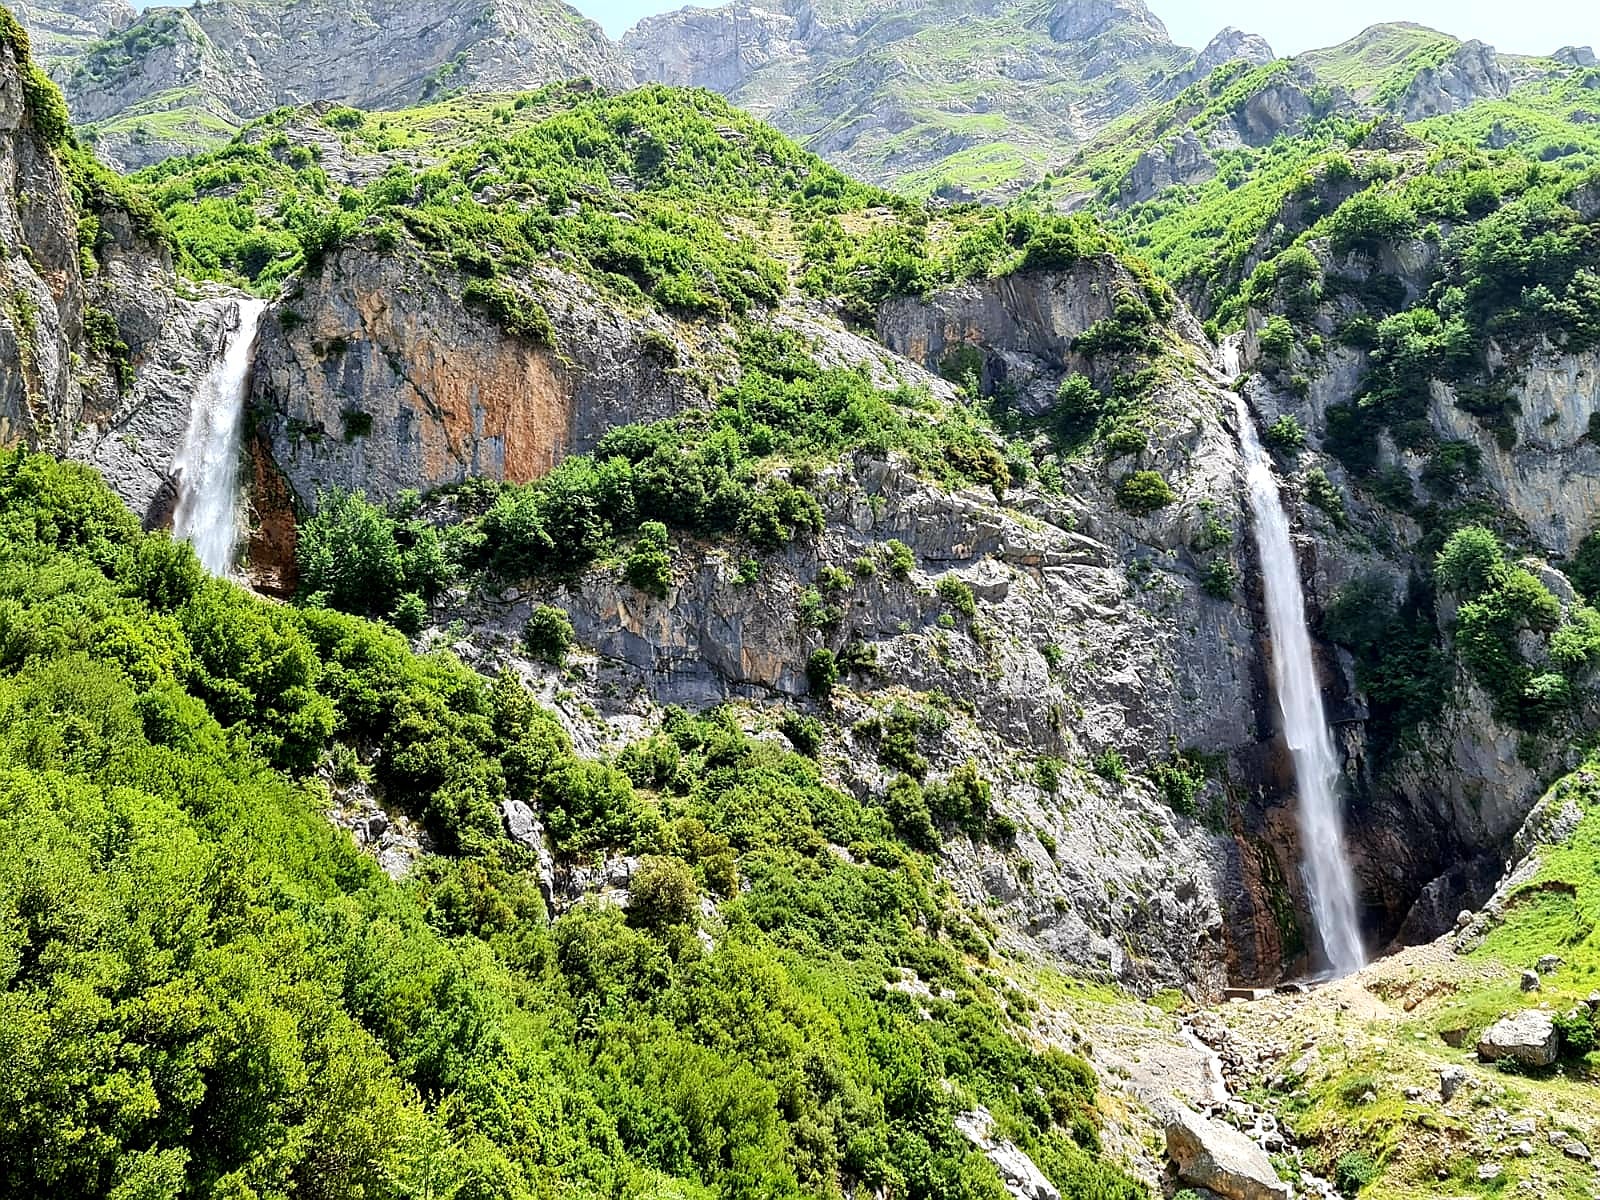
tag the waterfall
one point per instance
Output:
(1328, 878)
(207, 466)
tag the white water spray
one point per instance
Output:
(207, 467)
(1305, 725)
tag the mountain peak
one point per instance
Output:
(1080, 20)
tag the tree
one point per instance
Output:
(348, 555)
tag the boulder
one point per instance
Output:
(1528, 1037)
(1022, 1178)
(1209, 1154)
(1530, 981)
(1450, 1080)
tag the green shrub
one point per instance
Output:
(548, 635)
(1277, 339)
(1078, 408)
(901, 561)
(1366, 223)
(1219, 578)
(1181, 779)
(1110, 766)
(1285, 435)
(662, 893)
(805, 733)
(1126, 439)
(822, 673)
(649, 562)
(1354, 1170)
(1144, 492)
(957, 593)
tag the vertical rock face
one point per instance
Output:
(98, 353)
(1474, 72)
(177, 78)
(374, 375)
(61, 28)
(41, 284)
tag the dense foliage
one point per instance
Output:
(207, 991)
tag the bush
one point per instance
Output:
(548, 635)
(822, 673)
(1470, 563)
(662, 893)
(1078, 408)
(901, 561)
(1285, 435)
(1366, 223)
(1219, 578)
(1110, 766)
(1126, 439)
(1144, 492)
(649, 564)
(1277, 339)
(1354, 1171)
(957, 593)
(349, 556)
(805, 733)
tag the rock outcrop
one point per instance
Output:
(372, 373)
(1233, 45)
(1528, 1038)
(1209, 1154)
(85, 339)
(61, 29)
(858, 85)
(1474, 72)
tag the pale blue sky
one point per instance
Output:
(1520, 26)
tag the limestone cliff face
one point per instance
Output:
(373, 374)
(181, 77)
(62, 28)
(1092, 634)
(1022, 325)
(85, 339)
(1474, 72)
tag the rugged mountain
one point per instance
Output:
(63, 29)
(792, 662)
(973, 96)
(181, 78)
(91, 320)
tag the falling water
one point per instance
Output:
(207, 467)
(1305, 725)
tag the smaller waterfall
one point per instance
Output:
(207, 466)
(1305, 724)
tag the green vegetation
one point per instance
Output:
(210, 991)
(1144, 492)
(1500, 602)
(548, 634)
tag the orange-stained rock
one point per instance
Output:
(375, 375)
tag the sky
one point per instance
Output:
(1521, 27)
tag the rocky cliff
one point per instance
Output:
(63, 29)
(871, 86)
(373, 373)
(179, 79)
(90, 321)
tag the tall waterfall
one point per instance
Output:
(207, 466)
(1305, 725)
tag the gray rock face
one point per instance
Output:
(1528, 1037)
(848, 80)
(224, 62)
(1575, 56)
(1473, 73)
(1019, 1173)
(1209, 1154)
(1233, 45)
(1186, 161)
(717, 48)
(372, 374)
(59, 388)
(61, 28)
